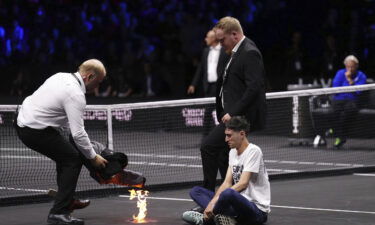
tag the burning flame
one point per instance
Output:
(141, 204)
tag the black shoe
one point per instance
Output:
(78, 204)
(63, 219)
(74, 204)
(197, 208)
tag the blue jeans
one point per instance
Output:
(230, 203)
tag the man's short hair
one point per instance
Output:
(229, 24)
(238, 123)
(351, 58)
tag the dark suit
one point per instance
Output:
(201, 74)
(244, 95)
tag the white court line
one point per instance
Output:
(274, 206)
(142, 163)
(23, 189)
(364, 174)
(189, 157)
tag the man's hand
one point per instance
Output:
(225, 118)
(209, 211)
(98, 161)
(191, 90)
(348, 76)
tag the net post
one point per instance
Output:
(109, 127)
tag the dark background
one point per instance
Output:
(151, 48)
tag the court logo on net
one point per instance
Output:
(120, 115)
(193, 116)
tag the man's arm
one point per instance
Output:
(74, 107)
(337, 80)
(254, 81)
(198, 76)
(208, 212)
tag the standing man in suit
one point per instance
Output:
(210, 68)
(240, 92)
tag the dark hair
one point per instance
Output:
(238, 123)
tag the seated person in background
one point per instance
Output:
(345, 104)
(245, 194)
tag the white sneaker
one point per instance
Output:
(193, 217)
(224, 220)
(316, 141)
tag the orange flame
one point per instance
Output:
(141, 204)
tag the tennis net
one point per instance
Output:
(162, 141)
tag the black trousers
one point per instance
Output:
(215, 153)
(344, 112)
(68, 159)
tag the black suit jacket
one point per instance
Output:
(243, 88)
(201, 72)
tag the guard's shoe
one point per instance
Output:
(339, 142)
(193, 217)
(74, 204)
(78, 204)
(63, 219)
(221, 219)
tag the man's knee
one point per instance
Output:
(227, 194)
(195, 191)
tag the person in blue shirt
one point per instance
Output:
(345, 104)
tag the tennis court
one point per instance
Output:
(343, 200)
(309, 185)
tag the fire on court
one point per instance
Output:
(141, 196)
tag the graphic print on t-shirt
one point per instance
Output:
(236, 173)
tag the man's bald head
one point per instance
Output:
(92, 72)
(94, 66)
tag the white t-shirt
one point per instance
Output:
(251, 160)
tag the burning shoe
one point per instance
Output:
(193, 217)
(126, 178)
(224, 220)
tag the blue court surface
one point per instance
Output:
(341, 200)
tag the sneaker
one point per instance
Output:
(193, 217)
(339, 142)
(319, 141)
(197, 208)
(316, 141)
(224, 220)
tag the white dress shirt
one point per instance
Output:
(212, 61)
(59, 102)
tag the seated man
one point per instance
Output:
(345, 104)
(245, 194)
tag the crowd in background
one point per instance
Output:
(152, 47)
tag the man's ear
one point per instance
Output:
(91, 76)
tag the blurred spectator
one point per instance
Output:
(295, 59)
(60, 34)
(330, 61)
(20, 85)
